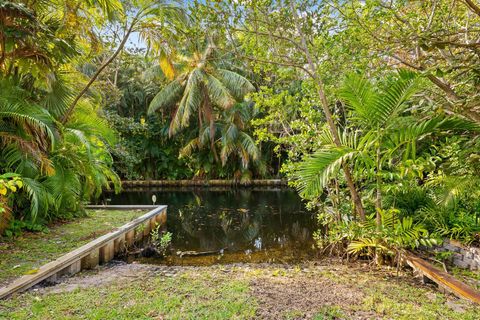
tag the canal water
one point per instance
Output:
(211, 226)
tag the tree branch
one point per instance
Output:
(70, 110)
(474, 7)
(276, 36)
(280, 63)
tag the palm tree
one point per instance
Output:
(381, 134)
(200, 88)
(231, 138)
(19, 34)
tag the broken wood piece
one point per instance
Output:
(444, 280)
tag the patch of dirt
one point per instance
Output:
(304, 296)
(116, 271)
(328, 288)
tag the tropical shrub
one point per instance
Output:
(60, 161)
(160, 240)
(384, 144)
(385, 242)
(9, 184)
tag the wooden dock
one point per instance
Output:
(98, 251)
(445, 281)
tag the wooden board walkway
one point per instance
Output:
(444, 280)
(100, 250)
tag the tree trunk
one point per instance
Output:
(209, 116)
(378, 200)
(357, 201)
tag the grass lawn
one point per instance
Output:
(327, 291)
(32, 250)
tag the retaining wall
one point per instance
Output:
(463, 256)
(98, 251)
(203, 183)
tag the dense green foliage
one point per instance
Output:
(369, 108)
(60, 163)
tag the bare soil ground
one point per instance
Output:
(324, 289)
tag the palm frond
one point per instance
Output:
(167, 97)
(190, 147)
(30, 115)
(59, 96)
(111, 8)
(358, 94)
(316, 170)
(166, 65)
(393, 100)
(39, 197)
(218, 93)
(407, 136)
(237, 85)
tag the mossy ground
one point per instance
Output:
(32, 250)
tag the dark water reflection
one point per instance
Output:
(266, 225)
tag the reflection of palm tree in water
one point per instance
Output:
(299, 233)
(230, 228)
(237, 220)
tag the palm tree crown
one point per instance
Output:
(200, 88)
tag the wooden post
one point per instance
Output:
(130, 238)
(153, 223)
(161, 218)
(107, 252)
(139, 233)
(119, 244)
(91, 260)
(147, 229)
(52, 279)
(75, 267)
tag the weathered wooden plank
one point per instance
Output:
(119, 244)
(91, 260)
(153, 223)
(139, 233)
(87, 253)
(443, 279)
(147, 227)
(161, 219)
(130, 238)
(75, 267)
(107, 252)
